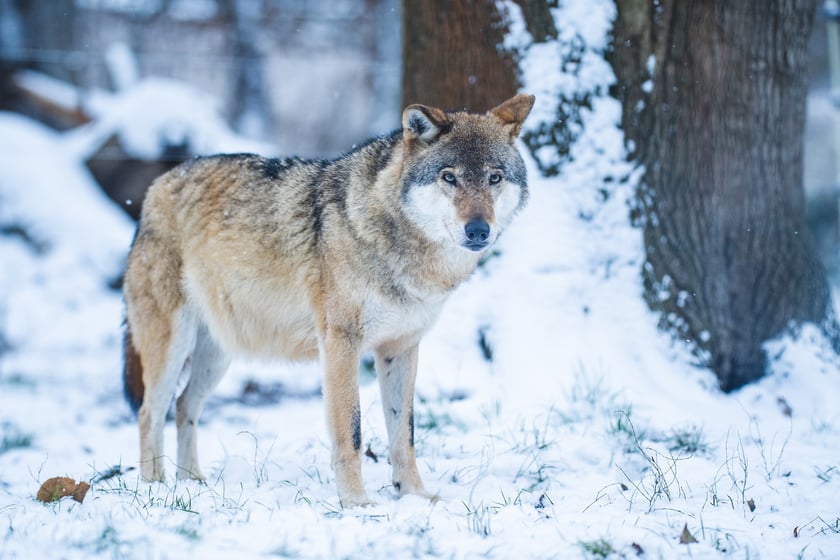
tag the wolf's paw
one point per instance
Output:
(193, 473)
(355, 501)
(433, 498)
(405, 490)
(148, 473)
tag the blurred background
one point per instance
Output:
(296, 77)
(302, 77)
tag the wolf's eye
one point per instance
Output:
(494, 178)
(449, 178)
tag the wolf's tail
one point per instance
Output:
(132, 372)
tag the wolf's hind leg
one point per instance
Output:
(164, 362)
(209, 364)
(396, 369)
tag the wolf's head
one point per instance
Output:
(463, 178)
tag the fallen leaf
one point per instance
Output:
(637, 548)
(59, 487)
(751, 504)
(686, 537)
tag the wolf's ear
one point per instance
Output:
(513, 112)
(423, 123)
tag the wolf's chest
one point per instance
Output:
(384, 319)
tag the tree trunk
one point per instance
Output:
(250, 107)
(451, 57)
(718, 126)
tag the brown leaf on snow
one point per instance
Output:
(686, 537)
(751, 504)
(59, 487)
(369, 453)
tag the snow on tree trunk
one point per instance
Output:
(714, 107)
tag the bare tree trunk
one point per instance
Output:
(451, 57)
(719, 126)
(250, 111)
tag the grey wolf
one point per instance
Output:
(304, 260)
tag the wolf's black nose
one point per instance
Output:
(477, 232)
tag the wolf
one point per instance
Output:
(308, 259)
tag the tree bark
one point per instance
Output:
(250, 104)
(719, 126)
(451, 58)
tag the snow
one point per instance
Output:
(161, 109)
(55, 91)
(589, 428)
(122, 66)
(147, 115)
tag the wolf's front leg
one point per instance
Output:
(340, 357)
(396, 368)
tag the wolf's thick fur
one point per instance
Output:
(305, 259)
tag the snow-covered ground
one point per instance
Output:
(553, 418)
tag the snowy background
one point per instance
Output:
(552, 417)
